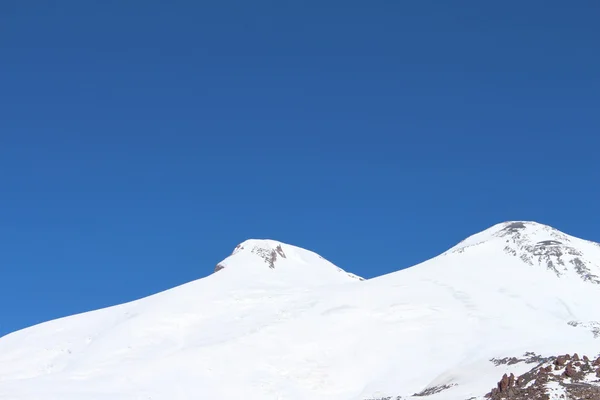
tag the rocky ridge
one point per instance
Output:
(561, 377)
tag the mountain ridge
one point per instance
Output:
(305, 329)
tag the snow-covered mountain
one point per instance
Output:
(293, 263)
(278, 322)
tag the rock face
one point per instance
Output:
(506, 384)
(561, 377)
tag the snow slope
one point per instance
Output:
(279, 322)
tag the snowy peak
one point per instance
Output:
(280, 322)
(267, 250)
(284, 260)
(536, 244)
(516, 230)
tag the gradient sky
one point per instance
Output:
(140, 141)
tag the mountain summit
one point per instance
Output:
(284, 260)
(275, 321)
(539, 245)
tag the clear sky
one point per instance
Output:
(140, 141)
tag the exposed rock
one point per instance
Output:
(547, 369)
(527, 358)
(556, 254)
(570, 370)
(505, 361)
(503, 384)
(561, 360)
(219, 267)
(267, 253)
(432, 390)
(386, 398)
(592, 326)
(578, 381)
(514, 227)
(279, 251)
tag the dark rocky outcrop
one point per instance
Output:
(432, 390)
(219, 267)
(575, 377)
(527, 358)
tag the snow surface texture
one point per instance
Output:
(279, 322)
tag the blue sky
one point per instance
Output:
(140, 141)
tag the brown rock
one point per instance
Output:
(542, 378)
(586, 359)
(511, 380)
(503, 384)
(575, 380)
(561, 360)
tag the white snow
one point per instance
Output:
(298, 327)
(287, 264)
(555, 391)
